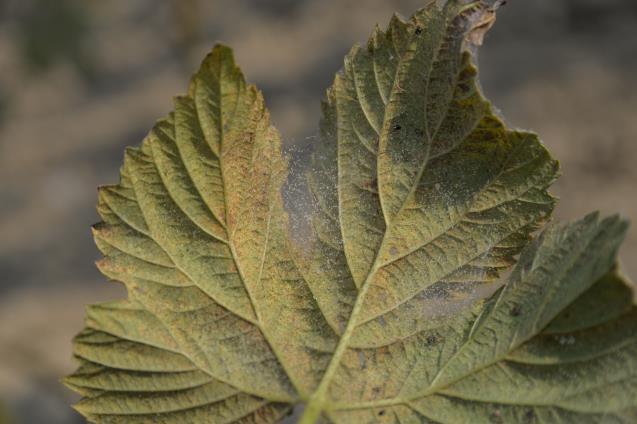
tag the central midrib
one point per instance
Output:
(316, 402)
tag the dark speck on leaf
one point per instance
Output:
(432, 339)
(396, 127)
(418, 30)
(516, 311)
(381, 412)
(529, 416)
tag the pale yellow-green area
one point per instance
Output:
(425, 201)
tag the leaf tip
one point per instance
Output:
(222, 49)
(97, 228)
(220, 55)
(82, 408)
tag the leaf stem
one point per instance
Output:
(316, 403)
(311, 413)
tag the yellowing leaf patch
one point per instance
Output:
(424, 203)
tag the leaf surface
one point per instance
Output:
(407, 305)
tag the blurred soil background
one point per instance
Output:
(80, 80)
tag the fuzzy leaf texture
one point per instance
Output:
(421, 297)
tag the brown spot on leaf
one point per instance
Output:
(480, 22)
(496, 416)
(371, 184)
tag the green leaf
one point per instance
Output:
(403, 307)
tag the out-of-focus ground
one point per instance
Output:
(80, 80)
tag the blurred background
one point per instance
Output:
(80, 80)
